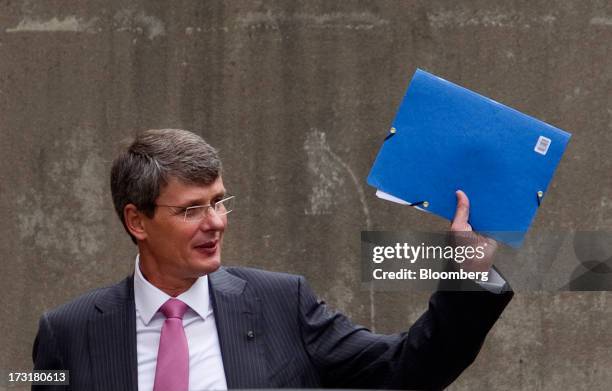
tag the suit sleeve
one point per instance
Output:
(46, 355)
(430, 355)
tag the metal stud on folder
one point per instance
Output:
(391, 133)
(540, 196)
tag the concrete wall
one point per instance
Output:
(297, 95)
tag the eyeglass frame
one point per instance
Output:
(208, 206)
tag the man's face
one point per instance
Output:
(184, 249)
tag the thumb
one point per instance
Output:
(462, 214)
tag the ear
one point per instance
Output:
(134, 221)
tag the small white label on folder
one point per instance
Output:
(542, 145)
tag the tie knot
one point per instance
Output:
(173, 308)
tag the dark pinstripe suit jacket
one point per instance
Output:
(273, 334)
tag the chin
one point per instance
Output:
(207, 265)
(206, 260)
(213, 265)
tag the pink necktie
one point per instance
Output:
(172, 371)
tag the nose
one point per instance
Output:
(213, 221)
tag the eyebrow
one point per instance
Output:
(198, 201)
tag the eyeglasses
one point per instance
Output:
(199, 212)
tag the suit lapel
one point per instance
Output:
(238, 319)
(112, 339)
(239, 326)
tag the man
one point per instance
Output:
(183, 322)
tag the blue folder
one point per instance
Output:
(446, 137)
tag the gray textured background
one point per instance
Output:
(298, 97)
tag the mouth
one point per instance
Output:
(209, 247)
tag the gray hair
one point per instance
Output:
(144, 167)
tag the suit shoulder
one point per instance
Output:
(83, 305)
(264, 277)
(249, 272)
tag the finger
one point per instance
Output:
(462, 213)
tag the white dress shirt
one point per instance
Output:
(495, 284)
(205, 365)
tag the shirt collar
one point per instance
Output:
(148, 298)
